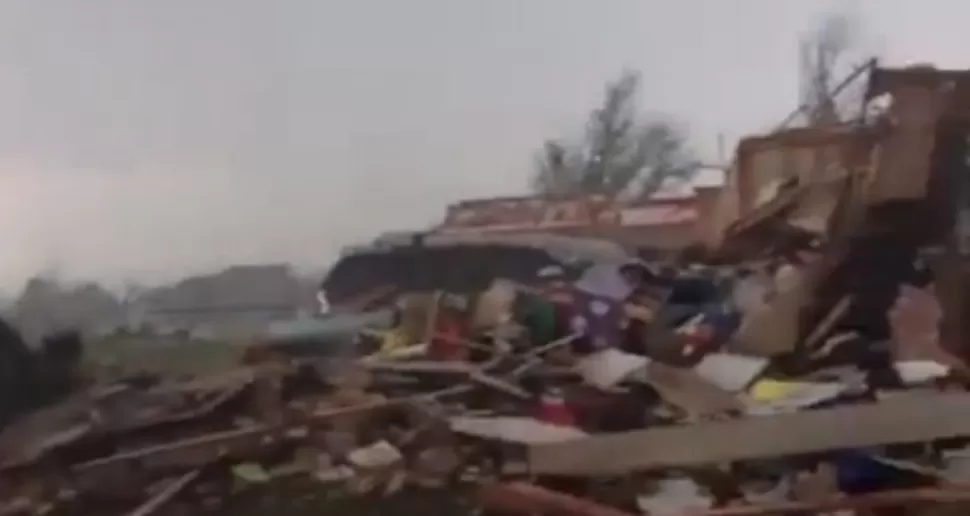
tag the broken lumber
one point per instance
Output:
(906, 419)
(907, 497)
(157, 502)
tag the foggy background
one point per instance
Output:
(150, 139)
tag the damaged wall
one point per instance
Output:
(903, 158)
(803, 155)
(922, 160)
(665, 222)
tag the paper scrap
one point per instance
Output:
(730, 372)
(608, 367)
(251, 472)
(523, 430)
(377, 455)
(674, 497)
(774, 396)
(920, 371)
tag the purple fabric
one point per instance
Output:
(597, 317)
(604, 281)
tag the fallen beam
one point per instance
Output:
(160, 500)
(193, 452)
(196, 412)
(520, 498)
(901, 498)
(897, 420)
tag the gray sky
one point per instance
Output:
(151, 138)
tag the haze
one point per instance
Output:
(150, 139)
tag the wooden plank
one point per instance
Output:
(499, 385)
(419, 367)
(896, 420)
(828, 322)
(815, 209)
(158, 501)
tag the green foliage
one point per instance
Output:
(619, 153)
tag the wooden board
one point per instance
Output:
(773, 329)
(902, 420)
(903, 167)
(818, 204)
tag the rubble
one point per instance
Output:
(814, 364)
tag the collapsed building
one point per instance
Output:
(812, 361)
(887, 189)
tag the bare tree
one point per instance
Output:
(558, 169)
(824, 53)
(619, 153)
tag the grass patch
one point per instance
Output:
(168, 356)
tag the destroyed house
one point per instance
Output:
(895, 152)
(803, 374)
(878, 186)
(923, 167)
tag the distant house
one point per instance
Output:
(237, 303)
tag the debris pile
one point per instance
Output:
(811, 364)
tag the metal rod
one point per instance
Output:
(807, 106)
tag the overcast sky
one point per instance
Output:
(147, 139)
